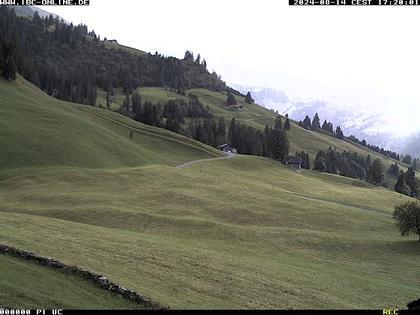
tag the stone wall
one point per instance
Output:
(98, 279)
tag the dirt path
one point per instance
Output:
(184, 165)
(347, 205)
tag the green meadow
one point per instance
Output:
(31, 286)
(95, 189)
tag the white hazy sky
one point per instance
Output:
(369, 55)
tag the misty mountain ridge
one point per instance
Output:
(360, 121)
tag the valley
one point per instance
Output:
(151, 177)
(244, 232)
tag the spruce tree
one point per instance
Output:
(339, 133)
(280, 145)
(307, 123)
(375, 173)
(414, 164)
(411, 180)
(316, 122)
(8, 61)
(407, 159)
(278, 123)
(320, 164)
(221, 131)
(394, 170)
(287, 124)
(248, 98)
(231, 100)
(401, 186)
(135, 102)
(126, 103)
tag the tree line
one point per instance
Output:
(328, 127)
(191, 118)
(70, 63)
(349, 164)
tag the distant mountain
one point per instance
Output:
(354, 120)
(412, 145)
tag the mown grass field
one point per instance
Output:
(245, 232)
(31, 286)
(238, 233)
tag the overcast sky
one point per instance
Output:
(369, 55)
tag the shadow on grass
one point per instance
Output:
(409, 246)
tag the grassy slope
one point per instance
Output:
(258, 117)
(39, 131)
(32, 286)
(244, 232)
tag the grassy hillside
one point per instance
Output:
(39, 131)
(258, 117)
(245, 232)
(30, 286)
(238, 233)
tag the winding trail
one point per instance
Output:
(346, 205)
(184, 165)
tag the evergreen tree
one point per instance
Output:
(174, 116)
(278, 124)
(248, 98)
(401, 186)
(231, 100)
(414, 164)
(221, 131)
(320, 164)
(305, 159)
(189, 56)
(407, 159)
(339, 133)
(157, 119)
(287, 124)
(410, 179)
(126, 103)
(316, 122)
(280, 145)
(135, 102)
(8, 61)
(368, 160)
(376, 171)
(307, 123)
(394, 170)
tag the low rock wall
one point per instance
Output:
(98, 279)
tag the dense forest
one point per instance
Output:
(70, 62)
